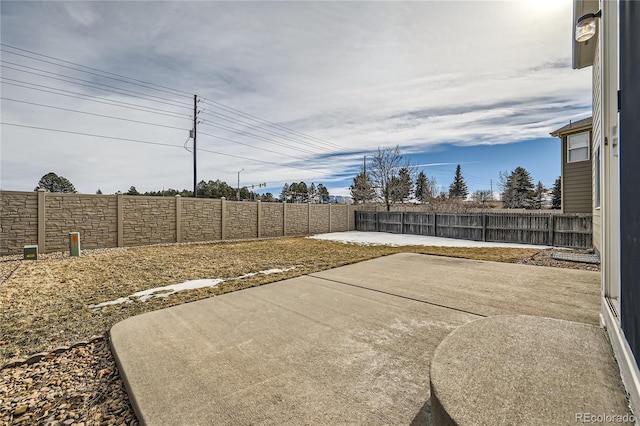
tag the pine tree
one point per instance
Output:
(313, 193)
(362, 189)
(421, 187)
(538, 195)
(458, 188)
(323, 193)
(518, 190)
(556, 194)
(403, 185)
(51, 182)
(284, 194)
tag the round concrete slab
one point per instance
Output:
(507, 370)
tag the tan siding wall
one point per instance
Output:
(200, 219)
(94, 216)
(576, 184)
(18, 221)
(148, 220)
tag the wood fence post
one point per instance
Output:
(435, 224)
(309, 218)
(484, 227)
(402, 220)
(329, 217)
(552, 224)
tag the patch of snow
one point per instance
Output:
(168, 290)
(398, 240)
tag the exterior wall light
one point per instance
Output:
(586, 26)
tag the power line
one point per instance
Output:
(178, 92)
(95, 85)
(92, 113)
(4, 123)
(93, 98)
(317, 143)
(258, 137)
(244, 123)
(270, 123)
(250, 146)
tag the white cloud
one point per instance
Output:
(358, 75)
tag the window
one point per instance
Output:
(597, 178)
(578, 147)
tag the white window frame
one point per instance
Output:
(587, 145)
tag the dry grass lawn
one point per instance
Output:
(45, 304)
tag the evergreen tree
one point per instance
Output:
(323, 193)
(132, 191)
(518, 190)
(51, 182)
(313, 193)
(538, 196)
(284, 194)
(421, 187)
(362, 189)
(556, 194)
(98, 192)
(458, 188)
(404, 185)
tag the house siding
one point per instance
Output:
(576, 184)
(596, 140)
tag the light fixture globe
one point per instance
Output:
(586, 26)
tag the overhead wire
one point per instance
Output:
(246, 144)
(94, 85)
(13, 50)
(92, 98)
(122, 78)
(94, 114)
(286, 166)
(271, 123)
(252, 126)
(258, 137)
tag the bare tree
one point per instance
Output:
(384, 170)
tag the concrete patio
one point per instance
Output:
(353, 345)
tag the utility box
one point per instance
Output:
(30, 252)
(74, 243)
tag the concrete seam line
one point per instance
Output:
(398, 295)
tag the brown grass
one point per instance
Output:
(45, 304)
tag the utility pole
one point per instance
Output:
(238, 192)
(195, 163)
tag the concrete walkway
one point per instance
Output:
(348, 345)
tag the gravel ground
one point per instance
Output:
(81, 385)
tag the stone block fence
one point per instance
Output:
(123, 221)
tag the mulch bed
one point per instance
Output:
(46, 306)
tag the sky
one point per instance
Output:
(102, 93)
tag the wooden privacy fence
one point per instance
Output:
(558, 230)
